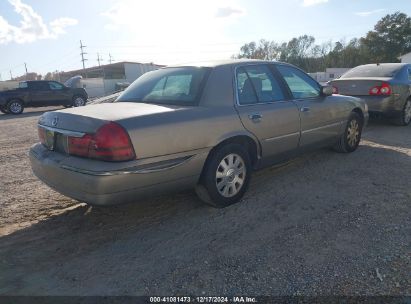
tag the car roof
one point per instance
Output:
(216, 63)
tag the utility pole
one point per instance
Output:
(99, 59)
(11, 75)
(25, 66)
(111, 58)
(82, 54)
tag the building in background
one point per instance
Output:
(406, 58)
(106, 79)
(329, 74)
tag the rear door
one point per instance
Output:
(40, 93)
(265, 111)
(321, 116)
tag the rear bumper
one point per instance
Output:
(390, 105)
(114, 186)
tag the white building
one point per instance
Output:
(105, 79)
(406, 58)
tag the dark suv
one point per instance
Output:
(41, 94)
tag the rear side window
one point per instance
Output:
(39, 86)
(180, 86)
(256, 84)
(301, 85)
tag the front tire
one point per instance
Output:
(351, 137)
(225, 177)
(405, 117)
(78, 101)
(15, 107)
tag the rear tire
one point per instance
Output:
(405, 117)
(15, 107)
(225, 176)
(351, 137)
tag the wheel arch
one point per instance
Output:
(359, 111)
(249, 141)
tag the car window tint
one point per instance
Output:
(55, 86)
(246, 92)
(409, 74)
(301, 85)
(257, 84)
(39, 86)
(180, 86)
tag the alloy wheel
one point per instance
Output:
(353, 133)
(78, 102)
(15, 107)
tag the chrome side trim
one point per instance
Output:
(323, 127)
(144, 169)
(64, 132)
(282, 136)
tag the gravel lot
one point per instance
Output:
(323, 224)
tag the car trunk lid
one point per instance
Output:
(89, 118)
(357, 86)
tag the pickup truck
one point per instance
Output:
(40, 93)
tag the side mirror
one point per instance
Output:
(327, 90)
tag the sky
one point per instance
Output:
(46, 34)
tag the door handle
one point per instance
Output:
(255, 117)
(304, 109)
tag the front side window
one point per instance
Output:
(180, 86)
(301, 85)
(256, 84)
(55, 86)
(23, 85)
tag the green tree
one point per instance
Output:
(390, 39)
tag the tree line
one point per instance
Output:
(390, 39)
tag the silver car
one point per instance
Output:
(385, 87)
(205, 126)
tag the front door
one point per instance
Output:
(60, 95)
(265, 111)
(321, 119)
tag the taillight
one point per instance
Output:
(42, 135)
(335, 90)
(384, 89)
(110, 143)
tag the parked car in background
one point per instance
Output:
(40, 94)
(386, 88)
(206, 126)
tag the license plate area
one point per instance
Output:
(50, 139)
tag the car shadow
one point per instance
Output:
(29, 113)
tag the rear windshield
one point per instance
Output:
(176, 86)
(372, 71)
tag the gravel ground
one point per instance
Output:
(323, 224)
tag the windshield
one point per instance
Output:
(373, 71)
(177, 86)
